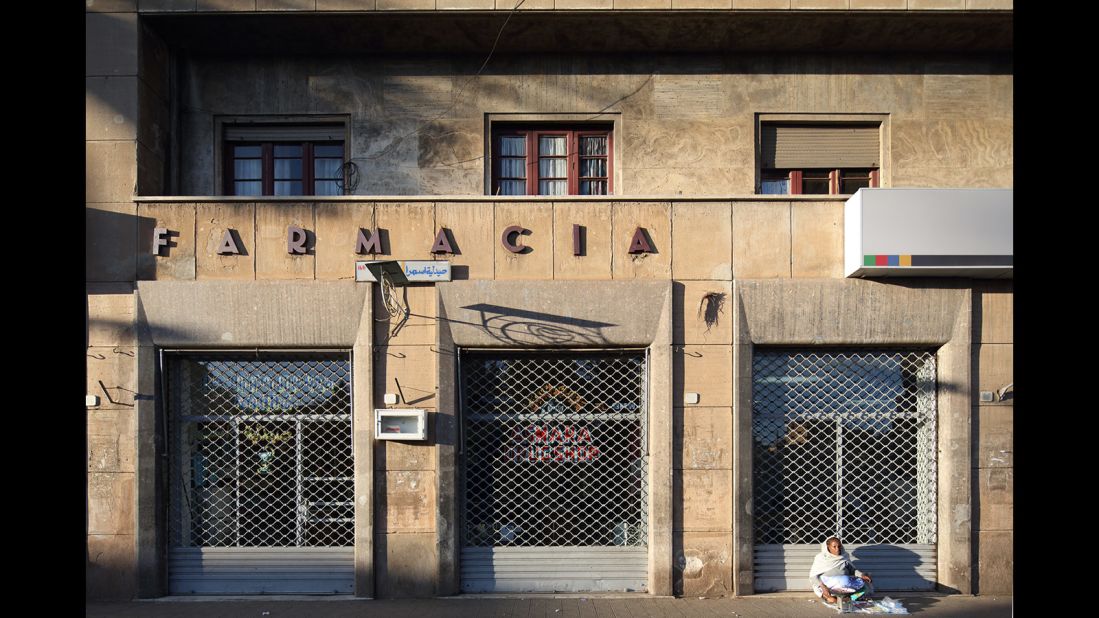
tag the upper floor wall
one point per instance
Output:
(321, 6)
(684, 124)
(682, 82)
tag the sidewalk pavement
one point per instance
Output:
(786, 605)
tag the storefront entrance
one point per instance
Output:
(261, 475)
(844, 445)
(554, 454)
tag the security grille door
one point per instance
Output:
(844, 445)
(555, 483)
(261, 474)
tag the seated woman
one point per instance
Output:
(832, 573)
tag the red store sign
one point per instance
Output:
(538, 443)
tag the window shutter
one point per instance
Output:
(284, 133)
(819, 146)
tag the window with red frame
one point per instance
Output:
(552, 161)
(284, 160)
(818, 158)
(816, 181)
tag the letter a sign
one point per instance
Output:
(640, 242)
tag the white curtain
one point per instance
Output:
(553, 187)
(593, 145)
(551, 145)
(513, 146)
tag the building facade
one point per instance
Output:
(691, 286)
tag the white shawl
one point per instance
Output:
(825, 561)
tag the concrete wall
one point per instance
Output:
(126, 150)
(685, 123)
(406, 493)
(112, 86)
(701, 246)
(993, 436)
(684, 128)
(305, 6)
(694, 241)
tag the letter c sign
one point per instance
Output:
(509, 239)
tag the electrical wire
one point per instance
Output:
(457, 97)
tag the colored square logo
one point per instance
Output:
(894, 260)
(881, 260)
(867, 260)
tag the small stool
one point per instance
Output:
(845, 596)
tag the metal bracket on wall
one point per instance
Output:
(107, 394)
(400, 392)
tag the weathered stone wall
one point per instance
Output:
(685, 123)
(685, 127)
(692, 240)
(702, 246)
(305, 6)
(698, 244)
(703, 437)
(405, 478)
(993, 436)
(111, 445)
(112, 137)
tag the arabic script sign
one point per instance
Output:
(414, 270)
(427, 270)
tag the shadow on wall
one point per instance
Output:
(712, 310)
(105, 376)
(109, 570)
(520, 327)
(407, 394)
(110, 373)
(534, 33)
(405, 546)
(111, 244)
(405, 509)
(892, 567)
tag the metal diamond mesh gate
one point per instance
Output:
(261, 473)
(555, 480)
(844, 445)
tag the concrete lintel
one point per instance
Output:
(556, 314)
(232, 314)
(851, 311)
